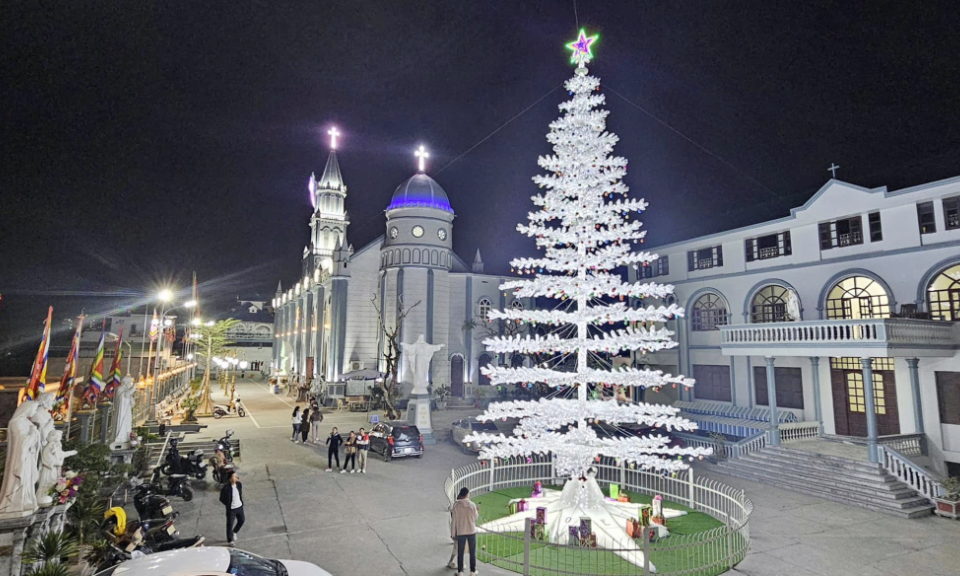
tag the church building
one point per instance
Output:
(328, 324)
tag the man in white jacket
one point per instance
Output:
(463, 529)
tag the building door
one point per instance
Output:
(456, 376)
(849, 404)
(789, 387)
(713, 382)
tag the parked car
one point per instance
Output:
(212, 561)
(467, 426)
(396, 439)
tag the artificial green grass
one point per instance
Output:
(507, 551)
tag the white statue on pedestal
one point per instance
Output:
(123, 400)
(793, 306)
(18, 496)
(42, 417)
(417, 357)
(51, 466)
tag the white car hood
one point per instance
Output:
(298, 568)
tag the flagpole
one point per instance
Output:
(143, 341)
(73, 380)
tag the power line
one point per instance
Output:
(576, 16)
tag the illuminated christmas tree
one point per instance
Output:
(585, 227)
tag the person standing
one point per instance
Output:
(316, 418)
(334, 440)
(463, 529)
(295, 420)
(363, 444)
(305, 425)
(351, 451)
(231, 496)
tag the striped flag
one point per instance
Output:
(154, 326)
(70, 368)
(38, 375)
(113, 378)
(95, 382)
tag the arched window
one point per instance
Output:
(483, 309)
(944, 295)
(857, 297)
(709, 313)
(769, 305)
(516, 305)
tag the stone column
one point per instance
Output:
(277, 327)
(772, 401)
(871, 409)
(817, 407)
(914, 365)
(308, 334)
(84, 418)
(104, 410)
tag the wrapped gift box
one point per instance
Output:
(523, 505)
(633, 528)
(614, 491)
(541, 515)
(652, 533)
(586, 527)
(623, 497)
(514, 507)
(574, 536)
(538, 531)
(590, 541)
(645, 516)
(537, 489)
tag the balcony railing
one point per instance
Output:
(867, 338)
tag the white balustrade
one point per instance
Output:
(909, 473)
(795, 431)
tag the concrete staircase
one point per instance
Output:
(842, 480)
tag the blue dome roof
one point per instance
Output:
(420, 191)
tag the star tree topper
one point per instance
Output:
(582, 53)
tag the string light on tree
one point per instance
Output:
(583, 226)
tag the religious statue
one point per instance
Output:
(417, 357)
(123, 400)
(43, 417)
(18, 495)
(51, 466)
(793, 306)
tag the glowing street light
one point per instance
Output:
(165, 295)
(190, 304)
(196, 322)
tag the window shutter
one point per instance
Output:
(691, 261)
(786, 249)
(826, 242)
(718, 255)
(665, 269)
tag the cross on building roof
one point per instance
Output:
(422, 155)
(833, 169)
(333, 137)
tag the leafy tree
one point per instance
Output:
(212, 343)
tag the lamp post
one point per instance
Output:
(165, 296)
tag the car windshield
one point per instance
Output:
(247, 564)
(406, 433)
(484, 427)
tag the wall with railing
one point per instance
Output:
(891, 331)
(704, 553)
(904, 470)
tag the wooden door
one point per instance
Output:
(456, 376)
(849, 404)
(713, 382)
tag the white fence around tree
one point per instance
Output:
(706, 553)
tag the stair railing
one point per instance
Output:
(795, 431)
(900, 467)
(728, 450)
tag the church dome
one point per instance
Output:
(420, 191)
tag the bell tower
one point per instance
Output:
(328, 225)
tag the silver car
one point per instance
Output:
(467, 426)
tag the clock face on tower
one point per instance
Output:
(394, 232)
(417, 231)
(442, 234)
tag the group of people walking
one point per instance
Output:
(306, 428)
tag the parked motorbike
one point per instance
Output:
(223, 445)
(221, 410)
(149, 501)
(176, 485)
(192, 464)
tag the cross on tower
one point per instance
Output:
(333, 137)
(833, 169)
(421, 153)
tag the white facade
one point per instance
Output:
(327, 324)
(852, 257)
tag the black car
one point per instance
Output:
(396, 439)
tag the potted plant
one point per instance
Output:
(50, 548)
(190, 405)
(442, 395)
(948, 505)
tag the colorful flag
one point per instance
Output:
(70, 368)
(95, 382)
(113, 378)
(38, 375)
(154, 326)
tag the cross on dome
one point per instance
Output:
(422, 155)
(333, 137)
(582, 53)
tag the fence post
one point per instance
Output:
(623, 474)
(490, 483)
(646, 551)
(690, 488)
(729, 539)
(526, 547)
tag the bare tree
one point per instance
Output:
(389, 387)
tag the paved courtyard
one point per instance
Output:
(392, 521)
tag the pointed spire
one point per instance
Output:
(279, 288)
(331, 179)
(478, 263)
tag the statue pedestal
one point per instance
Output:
(85, 420)
(418, 414)
(14, 533)
(104, 416)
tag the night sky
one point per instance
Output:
(142, 141)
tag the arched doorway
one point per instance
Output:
(857, 297)
(484, 360)
(943, 294)
(456, 376)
